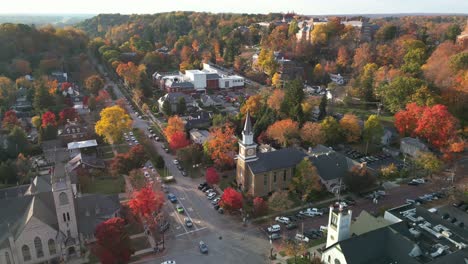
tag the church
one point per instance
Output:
(48, 222)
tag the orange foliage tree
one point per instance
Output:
(129, 71)
(275, 99)
(312, 133)
(178, 140)
(146, 203)
(221, 145)
(284, 131)
(351, 128)
(174, 124)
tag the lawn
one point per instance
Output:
(362, 112)
(106, 185)
(298, 260)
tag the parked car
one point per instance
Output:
(171, 197)
(301, 238)
(175, 162)
(208, 191)
(211, 195)
(274, 229)
(215, 200)
(283, 220)
(168, 262)
(311, 212)
(188, 222)
(201, 185)
(313, 233)
(180, 209)
(274, 236)
(205, 188)
(203, 247)
(291, 226)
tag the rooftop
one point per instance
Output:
(82, 144)
(275, 160)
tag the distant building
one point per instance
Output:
(174, 98)
(199, 120)
(337, 78)
(210, 100)
(60, 77)
(73, 131)
(412, 146)
(199, 136)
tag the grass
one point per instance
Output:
(140, 243)
(298, 260)
(317, 242)
(362, 112)
(282, 253)
(106, 186)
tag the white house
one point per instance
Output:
(337, 78)
(412, 146)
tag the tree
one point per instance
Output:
(294, 248)
(48, 119)
(137, 179)
(342, 59)
(437, 126)
(332, 130)
(10, 120)
(252, 105)
(17, 142)
(359, 179)
(42, 98)
(92, 103)
(94, 84)
(36, 121)
(312, 134)
(181, 106)
(373, 130)
(284, 132)
(174, 124)
(429, 163)
(130, 72)
(293, 97)
(123, 163)
(365, 82)
(406, 121)
(452, 32)
(167, 108)
(389, 172)
(276, 99)
(231, 199)
(351, 129)
(113, 123)
(276, 80)
(323, 107)
(306, 181)
(260, 207)
(396, 94)
(178, 140)
(221, 145)
(212, 176)
(146, 203)
(113, 242)
(279, 201)
(68, 113)
(362, 56)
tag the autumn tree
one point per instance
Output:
(130, 72)
(275, 100)
(389, 172)
(429, 163)
(17, 142)
(252, 105)
(113, 244)
(406, 121)
(10, 120)
(351, 129)
(359, 179)
(279, 201)
(373, 130)
(174, 124)
(211, 176)
(146, 203)
(276, 80)
(332, 130)
(312, 134)
(36, 121)
(306, 181)
(123, 163)
(437, 126)
(231, 199)
(284, 132)
(137, 178)
(178, 140)
(221, 145)
(68, 113)
(113, 123)
(260, 206)
(362, 56)
(342, 59)
(48, 119)
(94, 83)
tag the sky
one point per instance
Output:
(307, 7)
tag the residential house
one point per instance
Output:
(174, 99)
(199, 136)
(210, 100)
(199, 120)
(74, 131)
(337, 78)
(389, 136)
(412, 146)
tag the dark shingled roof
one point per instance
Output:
(86, 205)
(212, 76)
(269, 161)
(331, 165)
(13, 192)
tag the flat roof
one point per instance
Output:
(82, 144)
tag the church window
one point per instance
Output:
(68, 216)
(337, 261)
(274, 177)
(284, 175)
(38, 246)
(7, 257)
(52, 248)
(63, 199)
(265, 179)
(64, 217)
(26, 253)
(329, 259)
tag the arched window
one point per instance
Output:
(38, 246)
(26, 253)
(63, 199)
(329, 259)
(52, 248)
(337, 261)
(7, 258)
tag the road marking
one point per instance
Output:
(193, 231)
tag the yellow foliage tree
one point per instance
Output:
(252, 105)
(113, 123)
(351, 128)
(276, 80)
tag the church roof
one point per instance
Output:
(88, 216)
(13, 192)
(331, 165)
(274, 160)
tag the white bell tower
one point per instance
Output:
(247, 146)
(339, 225)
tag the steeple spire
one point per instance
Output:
(248, 125)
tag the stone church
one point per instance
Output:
(48, 222)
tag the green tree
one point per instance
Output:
(166, 108)
(373, 130)
(293, 97)
(359, 179)
(459, 61)
(429, 163)
(306, 181)
(332, 130)
(293, 28)
(452, 32)
(8, 173)
(398, 92)
(42, 98)
(181, 106)
(365, 82)
(17, 142)
(279, 201)
(323, 107)
(414, 58)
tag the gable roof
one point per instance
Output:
(13, 192)
(279, 159)
(329, 163)
(88, 217)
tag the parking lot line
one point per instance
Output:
(193, 231)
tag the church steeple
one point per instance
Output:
(247, 134)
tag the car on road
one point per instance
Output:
(291, 226)
(274, 228)
(311, 212)
(215, 200)
(211, 195)
(301, 238)
(130, 133)
(171, 197)
(201, 185)
(274, 236)
(188, 222)
(180, 209)
(169, 262)
(283, 220)
(179, 167)
(203, 247)
(175, 162)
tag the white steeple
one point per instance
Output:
(247, 133)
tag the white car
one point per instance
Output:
(211, 195)
(169, 262)
(175, 162)
(216, 200)
(283, 220)
(301, 238)
(311, 212)
(130, 133)
(274, 229)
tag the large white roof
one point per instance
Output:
(82, 144)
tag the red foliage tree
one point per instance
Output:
(48, 119)
(69, 113)
(125, 162)
(437, 126)
(212, 176)
(260, 207)
(146, 203)
(406, 121)
(10, 119)
(231, 199)
(178, 140)
(113, 242)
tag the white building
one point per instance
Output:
(412, 146)
(199, 136)
(197, 77)
(337, 78)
